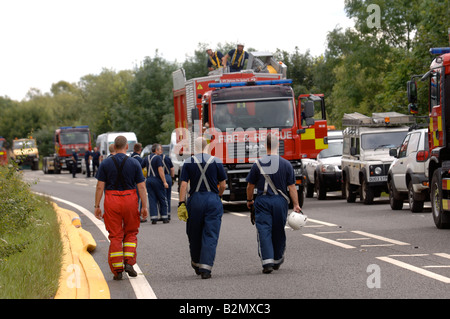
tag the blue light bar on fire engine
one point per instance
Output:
(439, 50)
(235, 84)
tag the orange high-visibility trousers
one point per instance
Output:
(122, 223)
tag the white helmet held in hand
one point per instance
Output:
(297, 220)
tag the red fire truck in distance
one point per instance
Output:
(67, 139)
(235, 111)
(3, 151)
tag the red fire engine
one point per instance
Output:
(438, 132)
(67, 139)
(235, 111)
(3, 152)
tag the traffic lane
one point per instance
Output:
(312, 269)
(417, 267)
(81, 190)
(343, 273)
(418, 229)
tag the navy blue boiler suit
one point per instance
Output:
(155, 187)
(270, 209)
(167, 162)
(204, 208)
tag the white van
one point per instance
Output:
(105, 139)
(173, 156)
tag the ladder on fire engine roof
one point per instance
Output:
(377, 119)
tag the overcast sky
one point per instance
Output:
(45, 41)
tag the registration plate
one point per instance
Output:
(378, 179)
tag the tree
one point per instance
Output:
(150, 99)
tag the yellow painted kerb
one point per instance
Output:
(81, 277)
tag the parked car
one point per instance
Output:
(408, 177)
(324, 173)
(365, 156)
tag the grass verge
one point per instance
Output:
(30, 243)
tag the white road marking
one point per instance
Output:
(350, 239)
(321, 222)
(378, 245)
(239, 214)
(443, 255)
(141, 287)
(329, 241)
(409, 255)
(392, 241)
(415, 269)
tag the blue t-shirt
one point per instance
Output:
(214, 174)
(75, 156)
(95, 156)
(279, 170)
(131, 172)
(137, 157)
(156, 162)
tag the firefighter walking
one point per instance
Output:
(203, 209)
(156, 185)
(272, 175)
(118, 177)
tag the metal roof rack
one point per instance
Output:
(377, 119)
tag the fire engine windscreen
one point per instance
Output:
(253, 114)
(74, 138)
(382, 140)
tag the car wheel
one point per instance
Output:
(351, 195)
(309, 188)
(320, 190)
(395, 202)
(367, 193)
(416, 206)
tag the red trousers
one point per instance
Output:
(122, 222)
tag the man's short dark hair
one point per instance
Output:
(272, 141)
(137, 147)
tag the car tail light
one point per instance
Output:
(422, 156)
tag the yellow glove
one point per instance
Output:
(182, 212)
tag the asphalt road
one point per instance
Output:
(346, 251)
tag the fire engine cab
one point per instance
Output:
(236, 111)
(438, 78)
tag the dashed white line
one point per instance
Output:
(415, 269)
(392, 241)
(329, 241)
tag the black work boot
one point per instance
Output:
(130, 270)
(118, 276)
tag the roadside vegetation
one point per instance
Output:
(30, 244)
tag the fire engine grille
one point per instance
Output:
(250, 149)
